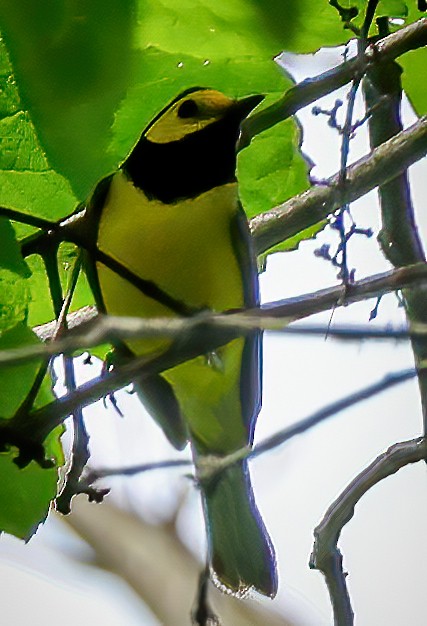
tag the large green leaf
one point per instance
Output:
(92, 75)
(71, 63)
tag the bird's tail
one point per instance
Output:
(241, 554)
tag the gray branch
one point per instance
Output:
(308, 208)
(326, 556)
(308, 91)
(88, 330)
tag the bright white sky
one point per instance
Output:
(384, 546)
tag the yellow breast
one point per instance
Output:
(185, 248)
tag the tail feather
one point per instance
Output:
(240, 550)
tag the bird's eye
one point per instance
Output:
(188, 108)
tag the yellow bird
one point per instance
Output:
(173, 240)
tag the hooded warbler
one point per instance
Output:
(178, 242)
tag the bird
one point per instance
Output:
(173, 240)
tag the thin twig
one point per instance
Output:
(269, 443)
(80, 451)
(98, 474)
(332, 409)
(28, 219)
(340, 258)
(367, 22)
(202, 613)
(294, 308)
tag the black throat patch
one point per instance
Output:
(188, 167)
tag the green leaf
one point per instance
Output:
(41, 307)
(25, 494)
(272, 169)
(27, 182)
(414, 65)
(392, 8)
(292, 243)
(67, 257)
(14, 298)
(43, 193)
(10, 254)
(16, 380)
(224, 29)
(72, 62)
(14, 272)
(308, 233)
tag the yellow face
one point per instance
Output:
(188, 115)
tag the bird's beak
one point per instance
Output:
(244, 106)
